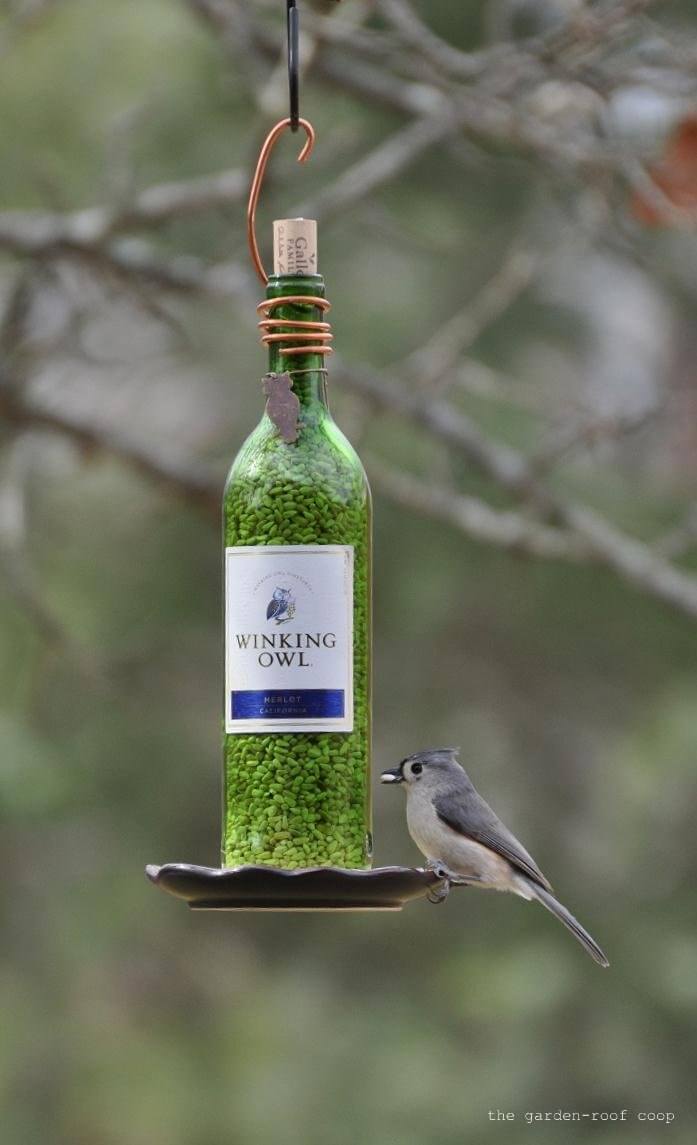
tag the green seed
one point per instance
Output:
(299, 800)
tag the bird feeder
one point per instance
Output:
(297, 831)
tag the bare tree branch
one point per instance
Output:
(38, 232)
(191, 482)
(464, 107)
(503, 529)
(379, 166)
(583, 31)
(632, 560)
(436, 359)
(572, 437)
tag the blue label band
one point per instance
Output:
(317, 703)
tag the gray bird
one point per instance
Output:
(459, 833)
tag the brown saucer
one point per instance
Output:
(308, 888)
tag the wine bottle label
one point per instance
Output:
(289, 638)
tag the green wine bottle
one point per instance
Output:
(297, 537)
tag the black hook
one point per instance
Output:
(293, 63)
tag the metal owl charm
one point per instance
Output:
(282, 405)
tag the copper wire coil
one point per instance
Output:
(299, 333)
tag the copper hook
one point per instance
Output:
(255, 189)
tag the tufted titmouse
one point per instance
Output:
(457, 830)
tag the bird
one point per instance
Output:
(465, 842)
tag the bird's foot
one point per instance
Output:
(439, 893)
(448, 879)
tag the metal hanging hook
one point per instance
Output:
(293, 23)
(255, 189)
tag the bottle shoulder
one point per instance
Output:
(322, 456)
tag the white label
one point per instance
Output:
(289, 638)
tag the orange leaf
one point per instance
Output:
(675, 176)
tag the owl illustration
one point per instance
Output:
(281, 607)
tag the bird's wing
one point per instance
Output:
(478, 822)
(274, 608)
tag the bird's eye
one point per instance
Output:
(417, 768)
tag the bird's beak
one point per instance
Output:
(393, 776)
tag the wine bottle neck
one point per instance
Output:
(306, 369)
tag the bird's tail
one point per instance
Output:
(569, 922)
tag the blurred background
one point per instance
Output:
(507, 193)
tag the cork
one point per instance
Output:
(295, 246)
